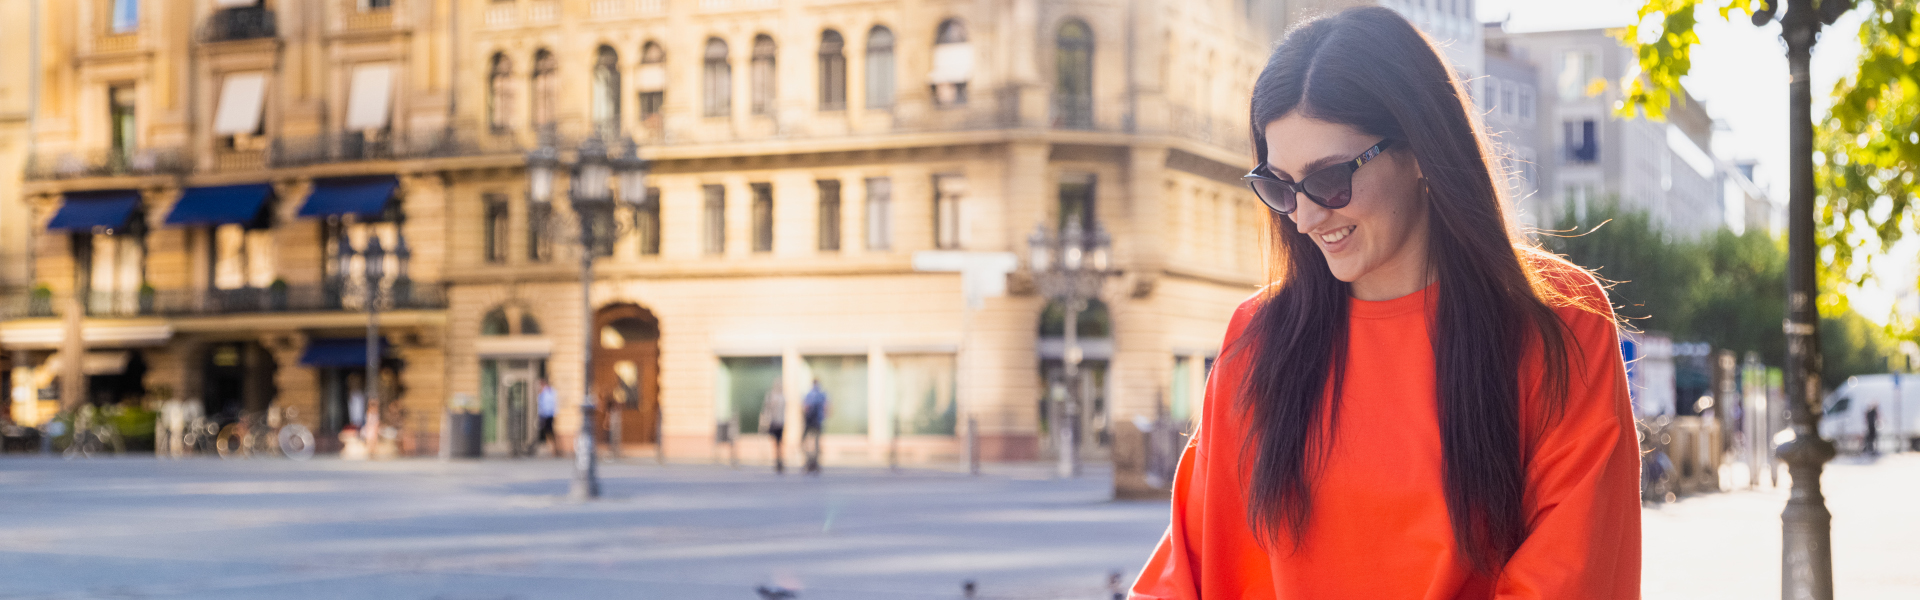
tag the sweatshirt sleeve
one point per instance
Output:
(1173, 573)
(1584, 499)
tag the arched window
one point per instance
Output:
(606, 91)
(718, 80)
(880, 83)
(529, 326)
(833, 71)
(495, 323)
(545, 86)
(652, 84)
(1073, 79)
(952, 64)
(500, 93)
(762, 74)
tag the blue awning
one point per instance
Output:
(85, 211)
(220, 204)
(340, 353)
(359, 196)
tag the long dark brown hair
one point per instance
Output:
(1369, 69)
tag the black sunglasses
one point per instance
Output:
(1331, 187)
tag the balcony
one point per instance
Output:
(25, 304)
(401, 295)
(107, 163)
(245, 23)
(358, 146)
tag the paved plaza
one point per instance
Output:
(141, 528)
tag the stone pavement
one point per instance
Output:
(1727, 546)
(208, 529)
(141, 528)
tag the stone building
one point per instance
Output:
(198, 166)
(1666, 168)
(16, 107)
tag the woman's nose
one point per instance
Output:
(1308, 214)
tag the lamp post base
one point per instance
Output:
(586, 479)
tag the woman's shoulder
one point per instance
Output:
(1573, 292)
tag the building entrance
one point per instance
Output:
(508, 407)
(626, 374)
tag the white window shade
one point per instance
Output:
(242, 97)
(371, 97)
(952, 63)
(652, 78)
(235, 3)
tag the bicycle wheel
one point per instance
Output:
(231, 442)
(110, 441)
(296, 442)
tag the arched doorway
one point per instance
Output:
(1094, 331)
(626, 374)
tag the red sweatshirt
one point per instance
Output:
(1379, 527)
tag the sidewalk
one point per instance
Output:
(1727, 546)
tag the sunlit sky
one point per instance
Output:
(1730, 75)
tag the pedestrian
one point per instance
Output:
(773, 416)
(548, 402)
(1873, 429)
(356, 401)
(814, 409)
(1420, 403)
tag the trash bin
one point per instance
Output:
(465, 434)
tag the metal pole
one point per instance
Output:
(372, 382)
(1806, 568)
(586, 482)
(1070, 422)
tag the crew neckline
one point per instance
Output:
(1382, 309)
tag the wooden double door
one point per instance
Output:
(626, 375)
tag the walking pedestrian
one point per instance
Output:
(773, 416)
(1421, 403)
(548, 403)
(1873, 429)
(814, 408)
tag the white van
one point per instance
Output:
(1845, 420)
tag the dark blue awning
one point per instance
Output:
(340, 353)
(358, 196)
(85, 211)
(220, 204)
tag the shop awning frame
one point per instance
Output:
(95, 209)
(221, 205)
(364, 197)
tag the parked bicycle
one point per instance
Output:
(272, 432)
(92, 435)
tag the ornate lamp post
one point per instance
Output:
(376, 270)
(592, 198)
(1806, 561)
(1078, 276)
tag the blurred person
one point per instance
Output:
(1421, 404)
(356, 401)
(814, 409)
(547, 403)
(1873, 430)
(773, 416)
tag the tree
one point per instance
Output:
(1868, 167)
(1722, 289)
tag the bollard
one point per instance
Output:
(973, 445)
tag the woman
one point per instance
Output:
(1422, 405)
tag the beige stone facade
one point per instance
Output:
(994, 117)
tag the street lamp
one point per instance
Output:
(375, 270)
(592, 197)
(1806, 556)
(1078, 276)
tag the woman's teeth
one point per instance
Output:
(1337, 235)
